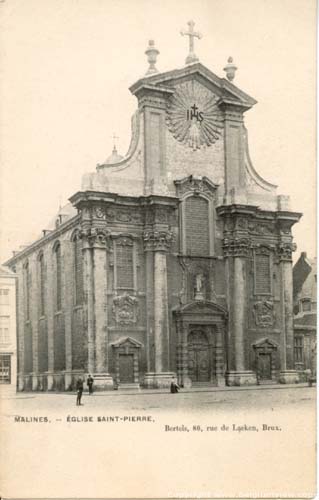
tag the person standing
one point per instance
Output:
(79, 391)
(89, 382)
(174, 386)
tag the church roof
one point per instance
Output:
(164, 82)
(113, 158)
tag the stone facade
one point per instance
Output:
(177, 261)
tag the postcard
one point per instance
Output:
(158, 258)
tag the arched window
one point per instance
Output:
(78, 269)
(196, 226)
(58, 277)
(27, 284)
(41, 284)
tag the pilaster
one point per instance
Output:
(158, 242)
(95, 250)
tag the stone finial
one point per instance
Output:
(230, 69)
(152, 53)
(192, 57)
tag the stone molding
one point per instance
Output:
(195, 185)
(284, 251)
(95, 237)
(264, 313)
(236, 247)
(125, 309)
(193, 115)
(157, 240)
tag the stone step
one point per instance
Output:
(127, 386)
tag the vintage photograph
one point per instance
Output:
(158, 259)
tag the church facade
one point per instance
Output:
(175, 260)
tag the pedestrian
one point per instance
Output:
(79, 391)
(89, 382)
(174, 386)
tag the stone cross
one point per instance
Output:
(191, 58)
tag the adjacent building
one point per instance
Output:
(8, 333)
(174, 260)
(305, 313)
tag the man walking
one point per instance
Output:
(79, 391)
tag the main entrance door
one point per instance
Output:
(198, 357)
(126, 368)
(264, 366)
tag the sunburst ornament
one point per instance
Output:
(193, 116)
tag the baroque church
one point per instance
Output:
(174, 260)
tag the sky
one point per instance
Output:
(65, 69)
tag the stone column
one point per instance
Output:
(50, 319)
(237, 249)
(219, 355)
(68, 294)
(34, 301)
(158, 242)
(88, 285)
(288, 374)
(150, 362)
(102, 379)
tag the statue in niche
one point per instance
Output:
(199, 286)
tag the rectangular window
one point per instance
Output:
(124, 266)
(5, 368)
(4, 330)
(4, 296)
(262, 274)
(197, 226)
(298, 349)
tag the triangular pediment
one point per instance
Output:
(265, 342)
(127, 341)
(204, 307)
(221, 87)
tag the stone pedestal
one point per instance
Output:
(237, 378)
(34, 382)
(288, 377)
(158, 380)
(20, 382)
(50, 381)
(103, 382)
(220, 381)
(68, 377)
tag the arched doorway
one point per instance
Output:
(198, 356)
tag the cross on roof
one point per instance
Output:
(191, 58)
(114, 137)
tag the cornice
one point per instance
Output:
(55, 233)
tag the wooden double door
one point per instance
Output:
(126, 362)
(199, 362)
(264, 366)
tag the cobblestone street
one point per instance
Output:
(274, 398)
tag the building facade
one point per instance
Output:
(8, 333)
(305, 314)
(174, 260)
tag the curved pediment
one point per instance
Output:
(202, 307)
